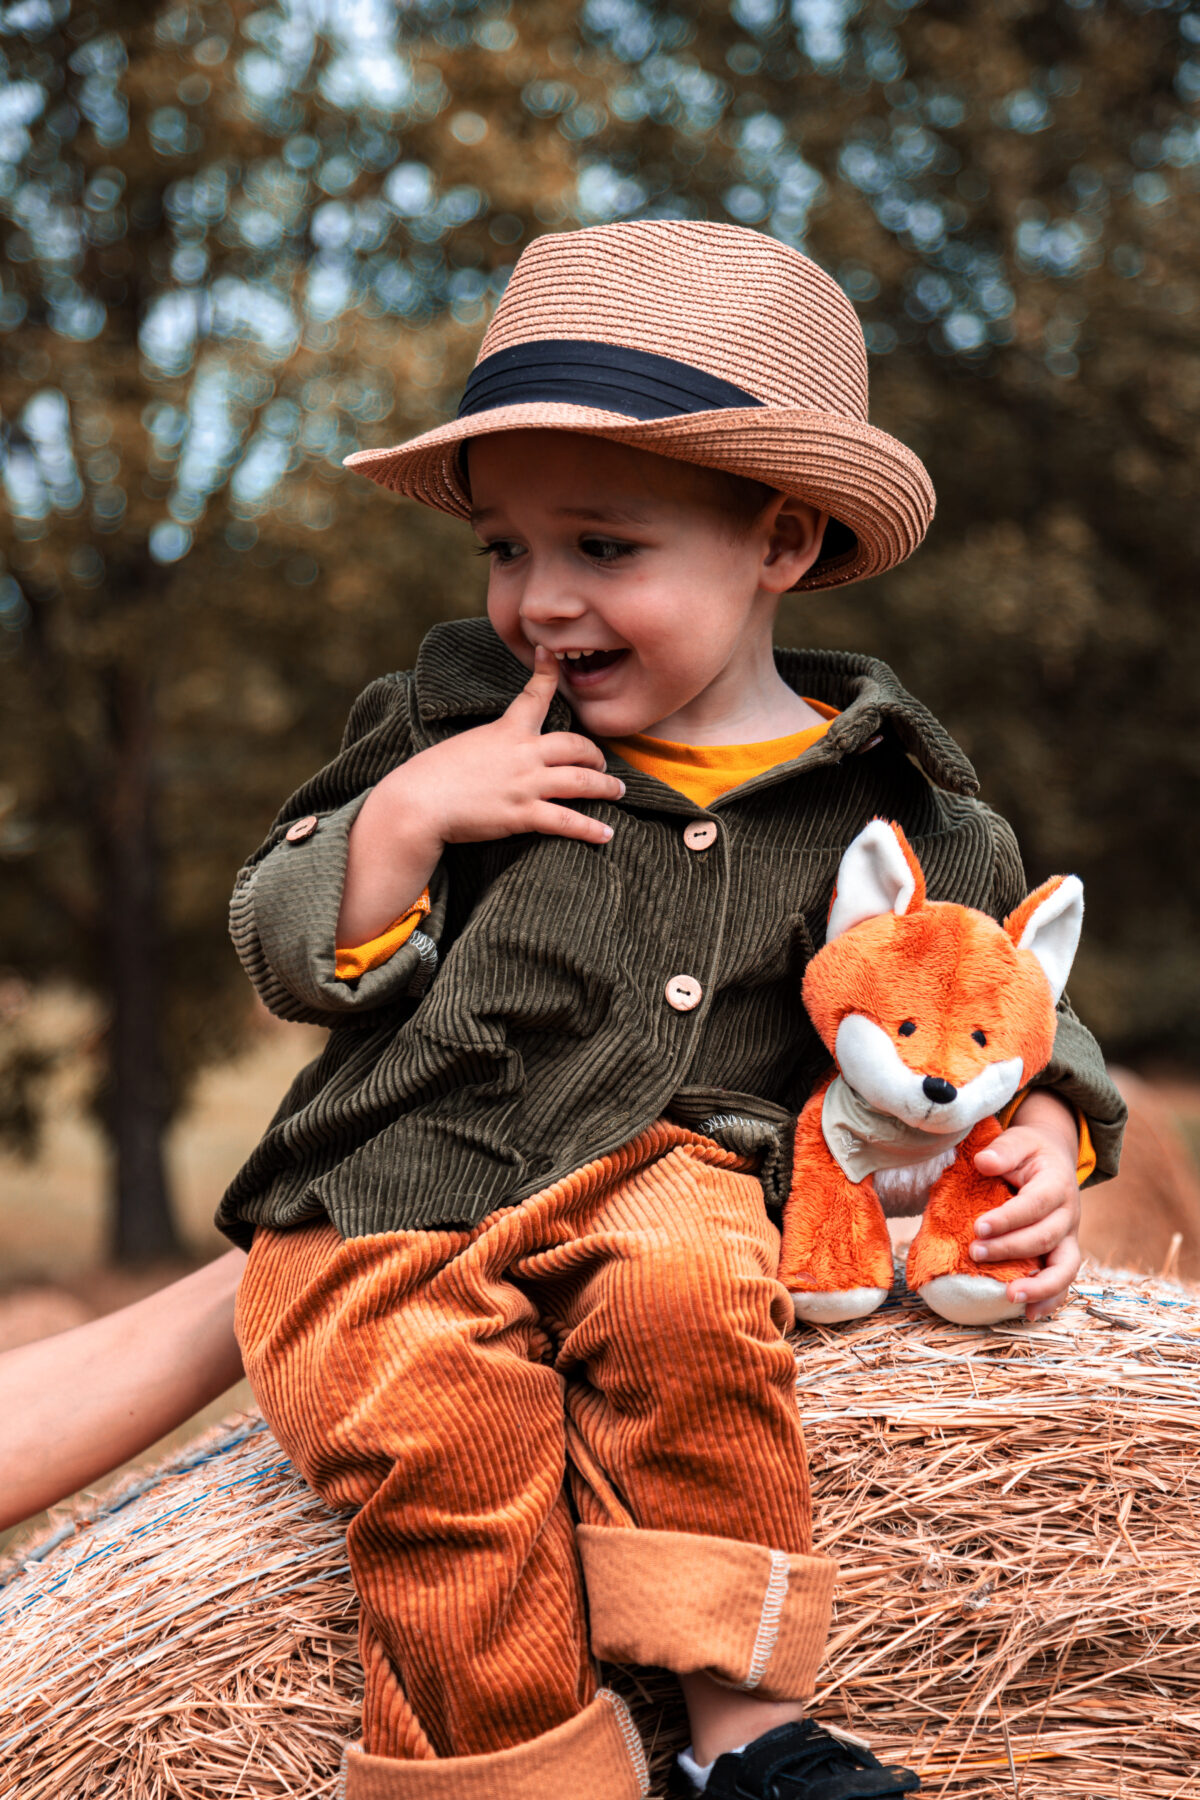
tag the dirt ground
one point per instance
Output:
(53, 1272)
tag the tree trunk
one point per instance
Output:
(142, 1225)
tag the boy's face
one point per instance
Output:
(637, 562)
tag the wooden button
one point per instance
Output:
(700, 834)
(684, 992)
(303, 828)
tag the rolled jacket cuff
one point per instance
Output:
(597, 1752)
(294, 897)
(750, 1617)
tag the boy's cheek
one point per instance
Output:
(507, 626)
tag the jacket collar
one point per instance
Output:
(465, 672)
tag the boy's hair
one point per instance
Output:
(740, 497)
(744, 499)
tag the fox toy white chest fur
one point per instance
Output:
(936, 1017)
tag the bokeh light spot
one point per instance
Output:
(169, 541)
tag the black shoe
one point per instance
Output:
(802, 1762)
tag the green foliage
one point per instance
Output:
(241, 243)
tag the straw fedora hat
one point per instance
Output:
(708, 343)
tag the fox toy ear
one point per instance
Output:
(877, 874)
(1048, 922)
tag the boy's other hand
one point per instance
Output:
(494, 781)
(1037, 1155)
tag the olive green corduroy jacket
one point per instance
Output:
(526, 1029)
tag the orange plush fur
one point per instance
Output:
(968, 998)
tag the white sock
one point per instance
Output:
(698, 1773)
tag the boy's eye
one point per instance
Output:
(501, 550)
(907, 1029)
(980, 1037)
(606, 550)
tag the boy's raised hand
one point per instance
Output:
(504, 778)
(494, 781)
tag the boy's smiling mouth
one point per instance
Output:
(587, 668)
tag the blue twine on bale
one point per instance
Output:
(125, 1497)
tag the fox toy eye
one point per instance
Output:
(907, 1029)
(980, 1037)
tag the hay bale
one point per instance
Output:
(1016, 1512)
(196, 1637)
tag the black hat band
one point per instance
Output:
(578, 372)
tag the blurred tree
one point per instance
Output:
(236, 241)
(242, 243)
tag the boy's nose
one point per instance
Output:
(546, 599)
(943, 1092)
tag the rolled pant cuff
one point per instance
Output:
(750, 1617)
(597, 1752)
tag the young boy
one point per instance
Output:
(511, 1291)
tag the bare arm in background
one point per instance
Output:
(80, 1403)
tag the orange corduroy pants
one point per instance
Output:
(570, 1431)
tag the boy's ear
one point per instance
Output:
(1049, 922)
(797, 531)
(878, 874)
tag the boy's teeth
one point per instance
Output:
(590, 657)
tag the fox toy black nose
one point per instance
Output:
(943, 1092)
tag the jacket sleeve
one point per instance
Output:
(1076, 1069)
(284, 911)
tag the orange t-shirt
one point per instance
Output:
(355, 961)
(706, 771)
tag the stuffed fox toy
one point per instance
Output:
(936, 1017)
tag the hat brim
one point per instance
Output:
(861, 476)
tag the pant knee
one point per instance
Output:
(686, 1307)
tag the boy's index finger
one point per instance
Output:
(533, 702)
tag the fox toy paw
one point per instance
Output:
(940, 1268)
(836, 1257)
(970, 1299)
(837, 1305)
